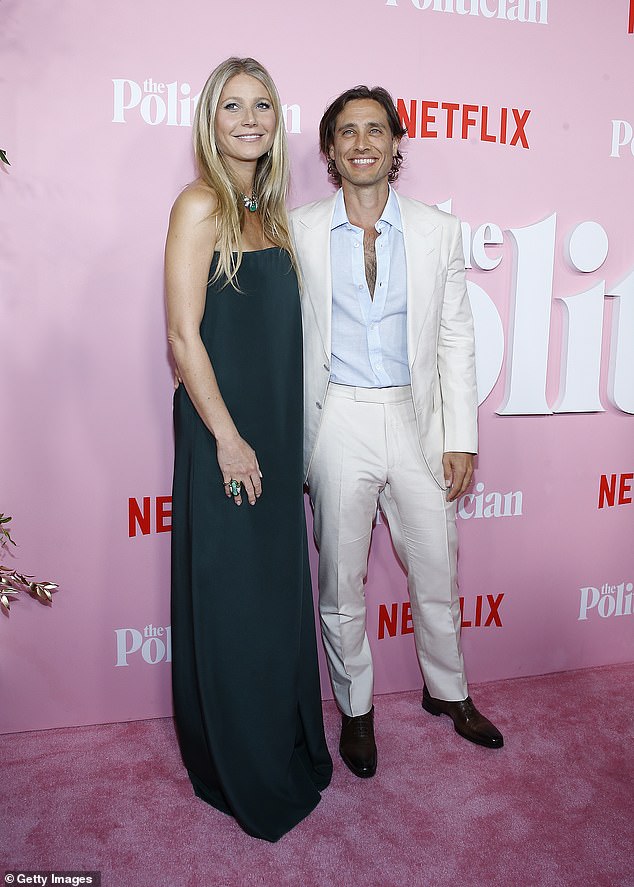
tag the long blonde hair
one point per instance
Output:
(271, 175)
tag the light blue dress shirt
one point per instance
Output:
(369, 336)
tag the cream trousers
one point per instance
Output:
(368, 453)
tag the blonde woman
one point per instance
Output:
(245, 678)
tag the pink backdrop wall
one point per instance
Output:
(95, 103)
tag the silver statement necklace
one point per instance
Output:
(250, 203)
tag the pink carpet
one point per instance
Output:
(554, 807)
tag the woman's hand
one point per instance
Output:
(238, 462)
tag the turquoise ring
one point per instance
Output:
(235, 486)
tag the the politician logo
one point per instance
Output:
(155, 102)
(531, 300)
(490, 505)
(622, 137)
(609, 600)
(523, 11)
(152, 644)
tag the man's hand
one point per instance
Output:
(458, 468)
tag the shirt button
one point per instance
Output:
(356, 244)
(360, 286)
(317, 404)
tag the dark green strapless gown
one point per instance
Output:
(245, 677)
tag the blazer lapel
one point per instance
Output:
(422, 253)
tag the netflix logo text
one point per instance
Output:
(615, 489)
(149, 515)
(426, 119)
(483, 611)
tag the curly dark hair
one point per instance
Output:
(329, 120)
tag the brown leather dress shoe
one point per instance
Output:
(357, 746)
(467, 720)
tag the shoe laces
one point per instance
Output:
(360, 727)
(469, 708)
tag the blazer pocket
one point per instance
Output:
(425, 406)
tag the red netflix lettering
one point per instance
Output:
(484, 135)
(426, 119)
(493, 616)
(503, 116)
(467, 120)
(609, 484)
(450, 108)
(408, 120)
(407, 626)
(140, 516)
(136, 516)
(520, 123)
(488, 124)
(494, 605)
(485, 613)
(607, 490)
(163, 514)
(388, 621)
(624, 488)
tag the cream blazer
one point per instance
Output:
(440, 340)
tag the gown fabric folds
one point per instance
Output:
(245, 676)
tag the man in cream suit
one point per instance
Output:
(390, 410)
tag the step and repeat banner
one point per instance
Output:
(520, 121)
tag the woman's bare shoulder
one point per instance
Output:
(196, 203)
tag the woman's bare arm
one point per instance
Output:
(189, 249)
